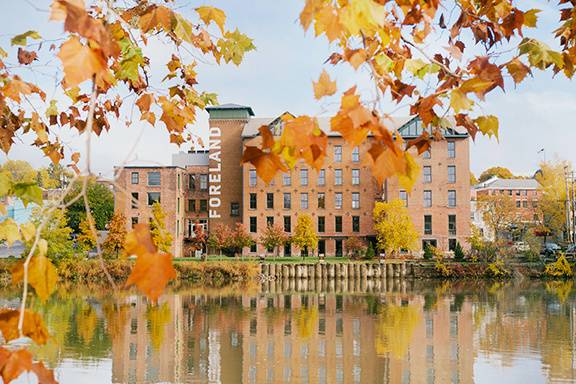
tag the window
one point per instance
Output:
(452, 225)
(404, 197)
(287, 200)
(134, 221)
(427, 224)
(203, 182)
(355, 200)
(427, 154)
(153, 197)
(451, 173)
(355, 177)
(338, 246)
(321, 224)
(270, 200)
(337, 223)
(322, 177)
(518, 203)
(427, 174)
(203, 205)
(191, 205)
(253, 201)
(253, 247)
(191, 182)
(269, 221)
(234, 209)
(153, 178)
(338, 200)
(451, 198)
(534, 203)
(135, 178)
(286, 179)
(355, 223)
(337, 177)
(178, 205)
(134, 199)
(321, 200)
(253, 224)
(304, 177)
(252, 178)
(287, 224)
(525, 204)
(321, 250)
(451, 244)
(287, 249)
(304, 200)
(356, 154)
(337, 153)
(427, 199)
(451, 149)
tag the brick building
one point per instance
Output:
(213, 187)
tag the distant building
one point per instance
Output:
(524, 192)
(211, 186)
(17, 211)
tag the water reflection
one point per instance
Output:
(422, 332)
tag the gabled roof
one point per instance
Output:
(497, 183)
(414, 128)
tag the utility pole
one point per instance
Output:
(568, 206)
(573, 204)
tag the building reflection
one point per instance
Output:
(296, 338)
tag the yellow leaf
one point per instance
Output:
(459, 101)
(408, 179)
(80, 62)
(28, 231)
(42, 274)
(9, 231)
(324, 86)
(209, 14)
(488, 125)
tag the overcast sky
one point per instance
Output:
(541, 113)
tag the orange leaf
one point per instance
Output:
(45, 375)
(26, 57)
(157, 17)
(144, 102)
(518, 70)
(327, 22)
(266, 164)
(80, 62)
(14, 363)
(33, 326)
(324, 86)
(267, 137)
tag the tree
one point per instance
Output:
(55, 176)
(273, 238)
(240, 239)
(501, 172)
(114, 243)
(393, 226)
(57, 234)
(100, 200)
(458, 252)
(473, 179)
(21, 171)
(86, 239)
(199, 239)
(160, 236)
(552, 202)
(370, 252)
(305, 236)
(354, 247)
(498, 212)
(220, 238)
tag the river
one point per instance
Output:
(419, 332)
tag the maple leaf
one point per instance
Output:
(324, 86)
(209, 14)
(9, 231)
(385, 161)
(234, 45)
(80, 62)
(353, 120)
(308, 12)
(302, 138)
(26, 57)
(22, 39)
(45, 375)
(459, 101)
(488, 125)
(144, 102)
(266, 164)
(33, 326)
(14, 363)
(465, 121)
(15, 87)
(42, 274)
(327, 22)
(152, 270)
(422, 142)
(517, 69)
(157, 17)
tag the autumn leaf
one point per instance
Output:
(517, 69)
(209, 14)
(28, 230)
(353, 121)
(33, 326)
(28, 193)
(42, 274)
(26, 57)
(144, 102)
(9, 231)
(156, 18)
(45, 375)
(14, 363)
(22, 39)
(266, 164)
(234, 45)
(327, 22)
(459, 101)
(488, 125)
(152, 270)
(80, 62)
(324, 86)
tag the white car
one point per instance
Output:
(521, 246)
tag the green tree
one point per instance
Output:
(86, 239)
(100, 199)
(21, 171)
(458, 252)
(161, 237)
(116, 237)
(551, 204)
(57, 233)
(53, 176)
(305, 236)
(273, 238)
(501, 172)
(370, 254)
(393, 226)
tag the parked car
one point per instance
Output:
(551, 249)
(521, 246)
(571, 250)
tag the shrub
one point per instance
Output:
(560, 268)
(354, 247)
(429, 251)
(496, 269)
(370, 254)
(458, 252)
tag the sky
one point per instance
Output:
(277, 77)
